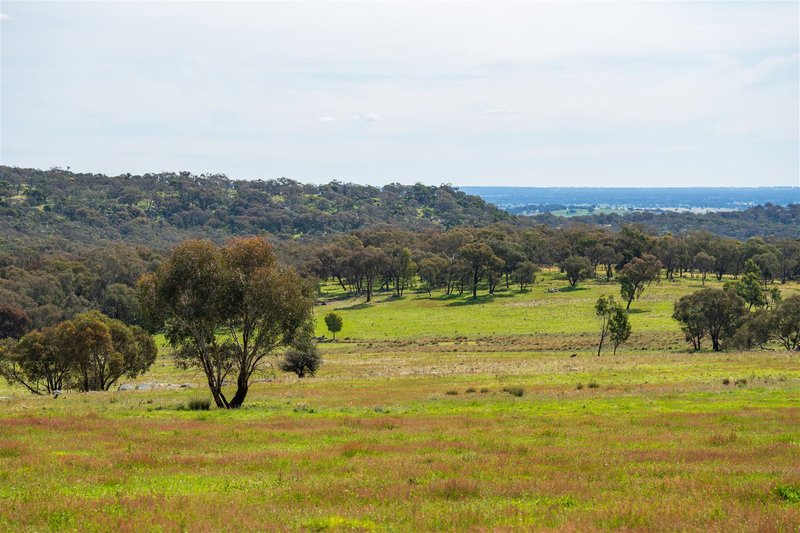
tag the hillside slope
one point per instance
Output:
(162, 209)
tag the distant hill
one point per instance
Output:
(162, 209)
(61, 210)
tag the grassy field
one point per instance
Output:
(435, 414)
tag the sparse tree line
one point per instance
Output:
(466, 260)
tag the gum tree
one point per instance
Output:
(227, 309)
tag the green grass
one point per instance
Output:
(412, 427)
(508, 312)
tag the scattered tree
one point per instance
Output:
(705, 263)
(239, 289)
(636, 274)
(604, 308)
(577, 268)
(619, 327)
(715, 312)
(334, 323)
(525, 274)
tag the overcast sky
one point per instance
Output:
(536, 94)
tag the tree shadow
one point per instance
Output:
(355, 307)
(572, 289)
(469, 300)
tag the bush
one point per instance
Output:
(452, 392)
(593, 385)
(199, 404)
(579, 386)
(471, 390)
(302, 361)
(726, 381)
(484, 390)
(514, 391)
(789, 493)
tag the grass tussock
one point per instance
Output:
(198, 404)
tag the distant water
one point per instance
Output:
(531, 199)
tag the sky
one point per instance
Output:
(645, 94)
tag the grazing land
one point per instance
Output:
(432, 412)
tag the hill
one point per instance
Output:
(162, 209)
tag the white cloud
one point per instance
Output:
(3, 16)
(326, 118)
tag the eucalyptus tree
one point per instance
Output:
(227, 309)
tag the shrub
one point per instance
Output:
(514, 391)
(726, 381)
(199, 404)
(452, 392)
(471, 390)
(789, 493)
(484, 390)
(741, 382)
(579, 386)
(593, 385)
(302, 361)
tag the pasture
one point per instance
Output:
(432, 413)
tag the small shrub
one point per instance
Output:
(199, 404)
(471, 390)
(484, 390)
(741, 382)
(593, 385)
(579, 386)
(303, 361)
(514, 391)
(726, 381)
(452, 392)
(789, 493)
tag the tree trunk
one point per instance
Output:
(241, 392)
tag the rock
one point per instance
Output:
(144, 386)
(125, 386)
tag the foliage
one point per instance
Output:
(604, 309)
(577, 268)
(619, 327)
(334, 323)
(14, 321)
(636, 274)
(303, 360)
(715, 312)
(525, 274)
(238, 290)
(91, 351)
